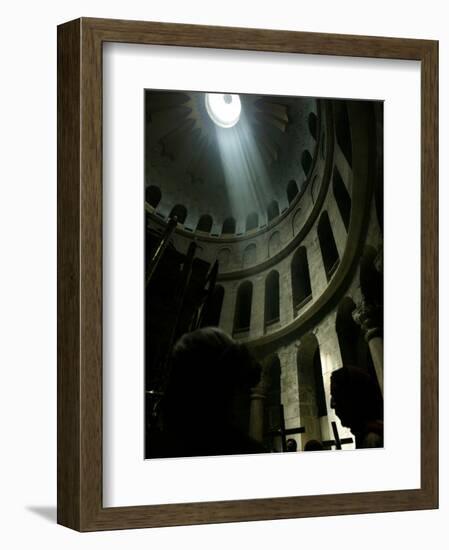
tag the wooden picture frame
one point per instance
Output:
(80, 504)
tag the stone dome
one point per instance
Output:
(225, 181)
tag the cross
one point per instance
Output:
(283, 432)
(337, 441)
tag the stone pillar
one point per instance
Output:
(256, 412)
(318, 279)
(343, 167)
(338, 227)
(289, 388)
(228, 308)
(258, 307)
(369, 317)
(285, 293)
(330, 360)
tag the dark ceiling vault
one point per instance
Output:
(227, 172)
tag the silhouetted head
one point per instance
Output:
(292, 446)
(355, 397)
(313, 445)
(208, 392)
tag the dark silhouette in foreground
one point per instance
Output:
(313, 445)
(206, 404)
(358, 403)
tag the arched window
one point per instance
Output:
(341, 197)
(272, 210)
(328, 247)
(212, 312)
(272, 409)
(252, 221)
(343, 130)
(272, 298)
(301, 288)
(244, 301)
(228, 226)
(312, 398)
(180, 211)
(153, 195)
(313, 125)
(306, 162)
(292, 191)
(204, 223)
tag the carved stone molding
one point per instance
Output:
(369, 318)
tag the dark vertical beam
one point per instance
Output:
(429, 273)
(68, 170)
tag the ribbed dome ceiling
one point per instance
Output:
(227, 172)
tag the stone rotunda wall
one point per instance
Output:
(328, 233)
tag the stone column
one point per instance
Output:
(318, 279)
(343, 167)
(369, 317)
(228, 307)
(256, 412)
(289, 389)
(330, 360)
(338, 228)
(258, 307)
(285, 293)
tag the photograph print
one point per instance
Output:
(263, 274)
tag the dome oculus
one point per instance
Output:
(223, 109)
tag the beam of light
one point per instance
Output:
(247, 181)
(223, 109)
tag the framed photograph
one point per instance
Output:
(247, 272)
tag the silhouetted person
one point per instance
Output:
(292, 446)
(206, 404)
(358, 403)
(313, 445)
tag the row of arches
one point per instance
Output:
(205, 222)
(343, 201)
(301, 288)
(313, 409)
(301, 294)
(153, 197)
(325, 234)
(311, 394)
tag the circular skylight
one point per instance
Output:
(224, 109)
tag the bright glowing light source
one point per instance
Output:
(224, 109)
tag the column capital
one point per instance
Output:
(258, 393)
(369, 317)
